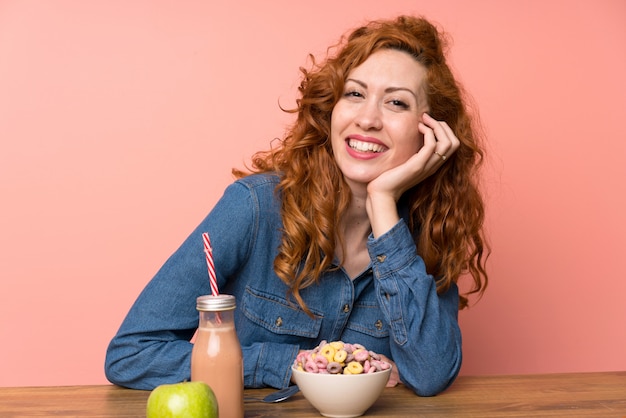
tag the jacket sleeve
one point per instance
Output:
(152, 346)
(425, 338)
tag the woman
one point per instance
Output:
(356, 228)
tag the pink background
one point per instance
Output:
(120, 121)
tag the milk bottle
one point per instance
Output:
(216, 357)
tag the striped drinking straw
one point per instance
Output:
(208, 251)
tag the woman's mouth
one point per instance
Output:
(365, 146)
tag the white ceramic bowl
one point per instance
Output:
(341, 395)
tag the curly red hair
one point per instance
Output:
(446, 209)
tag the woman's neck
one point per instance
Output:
(355, 221)
(355, 228)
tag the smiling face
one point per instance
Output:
(374, 125)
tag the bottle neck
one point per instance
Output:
(216, 319)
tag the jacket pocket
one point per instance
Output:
(278, 315)
(367, 318)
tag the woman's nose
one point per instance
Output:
(369, 116)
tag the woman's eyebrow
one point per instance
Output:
(387, 90)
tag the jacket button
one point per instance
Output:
(279, 322)
(379, 325)
(346, 308)
(381, 258)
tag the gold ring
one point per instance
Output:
(443, 157)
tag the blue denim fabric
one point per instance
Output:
(391, 308)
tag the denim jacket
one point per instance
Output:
(391, 308)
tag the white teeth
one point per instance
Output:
(365, 146)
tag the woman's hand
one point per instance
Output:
(394, 377)
(384, 191)
(439, 144)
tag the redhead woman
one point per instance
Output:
(357, 227)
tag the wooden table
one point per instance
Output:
(551, 395)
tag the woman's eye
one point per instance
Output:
(352, 93)
(399, 103)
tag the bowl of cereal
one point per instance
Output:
(340, 379)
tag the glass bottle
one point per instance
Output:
(216, 357)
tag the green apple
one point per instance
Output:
(182, 400)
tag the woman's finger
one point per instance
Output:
(432, 150)
(446, 141)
